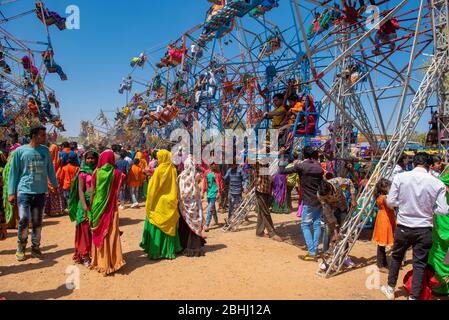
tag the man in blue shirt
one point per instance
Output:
(237, 181)
(124, 166)
(28, 183)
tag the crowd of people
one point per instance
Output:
(91, 185)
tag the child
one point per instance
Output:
(135, 181)
(213, 186)
(385, 224)
(67, 175)
(79, 203)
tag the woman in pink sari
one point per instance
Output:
(107, 256)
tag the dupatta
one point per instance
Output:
(106, 181)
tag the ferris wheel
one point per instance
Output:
(25, 64)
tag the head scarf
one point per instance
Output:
(57, 163)
(55, 158)
(162, 197)
(106, 181)
(190, 197)
(143, 164)
(74, 191)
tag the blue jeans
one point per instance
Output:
(211, 211)
(311, 217)
(234, 201)
(122, 194)
(66, 195)
(134, 194)
(31, 206)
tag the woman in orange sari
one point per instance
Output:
(143, 164)
(54, 204)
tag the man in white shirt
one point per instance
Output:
(418, 196)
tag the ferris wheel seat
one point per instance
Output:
(243, 7)
(52, 69)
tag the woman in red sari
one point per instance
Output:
(107, 256)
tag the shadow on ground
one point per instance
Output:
(48, 260)
(129, 221)
(57, 293)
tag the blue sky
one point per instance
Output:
(96, 57)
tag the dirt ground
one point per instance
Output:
(237, 266)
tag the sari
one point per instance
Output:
(83, 236)
(440, 248)
(280, 202)
(160, 237)
(143, 164)
(11, 212)
(191, 222)
(107, 254)
(54, 203)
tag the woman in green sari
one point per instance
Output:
(79, 202)
(160, 238)
(11, 211)
(439, 254)
(107, 256)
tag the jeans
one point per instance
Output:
(421, 241)
(211, 211)
(381, 257)
(122, 194)
(341, 217)
(134, 194)
(311, 217)
(234, 201)
(31, 206)
(66, 195)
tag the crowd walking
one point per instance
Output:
(180, 194)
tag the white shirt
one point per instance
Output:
(418, 196)
(129, 160)
(435, 174)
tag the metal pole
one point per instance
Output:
(410, 67)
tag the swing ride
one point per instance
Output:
(25, 98)
(352, 72)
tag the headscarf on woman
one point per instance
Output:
(143, 164)
(162, 200)
(74, 213)
(190, 197)
(106, 181)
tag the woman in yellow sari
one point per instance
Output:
(160, 239)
